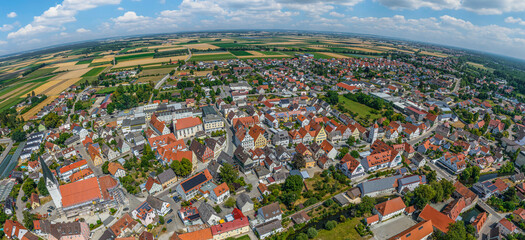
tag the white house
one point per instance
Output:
(389, 208)
(220, 193)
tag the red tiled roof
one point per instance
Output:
(80, 174)
(203, 234)
(80, 192)
(73, 166)
(439, 220)
(188, 122)
(390, 206)
(221, 189)
(229, 226)
(416, 232)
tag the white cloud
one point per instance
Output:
(477, 6)
(11, 15)
(55, 17)
(6, 27)
(336, 14)
(515, 20)
(3, 42)
(128, 17)
(120, 8)
(83, 30)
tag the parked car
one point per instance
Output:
(170, 220)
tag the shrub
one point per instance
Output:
(301, 236)
(330, 225)
(311, 232)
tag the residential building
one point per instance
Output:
(389, 208)
(190, 187)
(270, 212)
(420, 231)
(187, 127)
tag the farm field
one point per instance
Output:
(435, 54)
(201, 46)
(36, 109)
(107, 90)
(241, 53)
(133, 57)
(40, 72)
(143, 62)
(335, 55)
(94, 72)
(212, 57)
(84, 62)
(153, 71)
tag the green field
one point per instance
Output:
(270, 53)
(361, 55)
(107, 90)
(228, 45)
(212, 57)
(244, 237)
(84, 61)
(320, 55)
(344, 230)
(358, 108)
(135, 56)
(40, 72)
(14, 100)
(99, 63)
(240, 53)
(94, 72)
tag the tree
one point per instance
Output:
(354, 154)
(29, 186)
(366, 205)
(422, 195)
(105, 167)
(332, 97)
(42, 189)
(228, 174)
(311, 232)
(186, 167)
(161, 220)
(299, 161)
(293, 183)
(110, 108)
(330, 225)
(18, 136)
(456, 231)
(301, 236)
(230, 202)
(28, 220)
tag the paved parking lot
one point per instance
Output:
(392, 227)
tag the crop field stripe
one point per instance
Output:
(133, 57)
(240, 53)
(84, 62)
(94, 72)
(212, 57)
(13, 100)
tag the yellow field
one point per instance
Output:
(364, 49)
(147, 61)
(291, 42)
(335, 55)
(72, 74)
(201, 46)
(103, 59)
(435, 54)
(196, 73)
(36, 109)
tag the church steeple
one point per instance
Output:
(52, 184)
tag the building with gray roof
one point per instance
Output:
(377, 187)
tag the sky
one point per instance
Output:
(494, 26)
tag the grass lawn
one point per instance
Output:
(84, 62)
(107, 90)
(94, 72)
(358, 108)
(212, 57)
(241, 53)
(344, 230)
(244, 237)
(133, 57)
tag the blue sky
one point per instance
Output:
(496, 26)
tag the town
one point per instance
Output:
(400, 147)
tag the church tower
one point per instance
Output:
(51, 184)
(374, 131)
